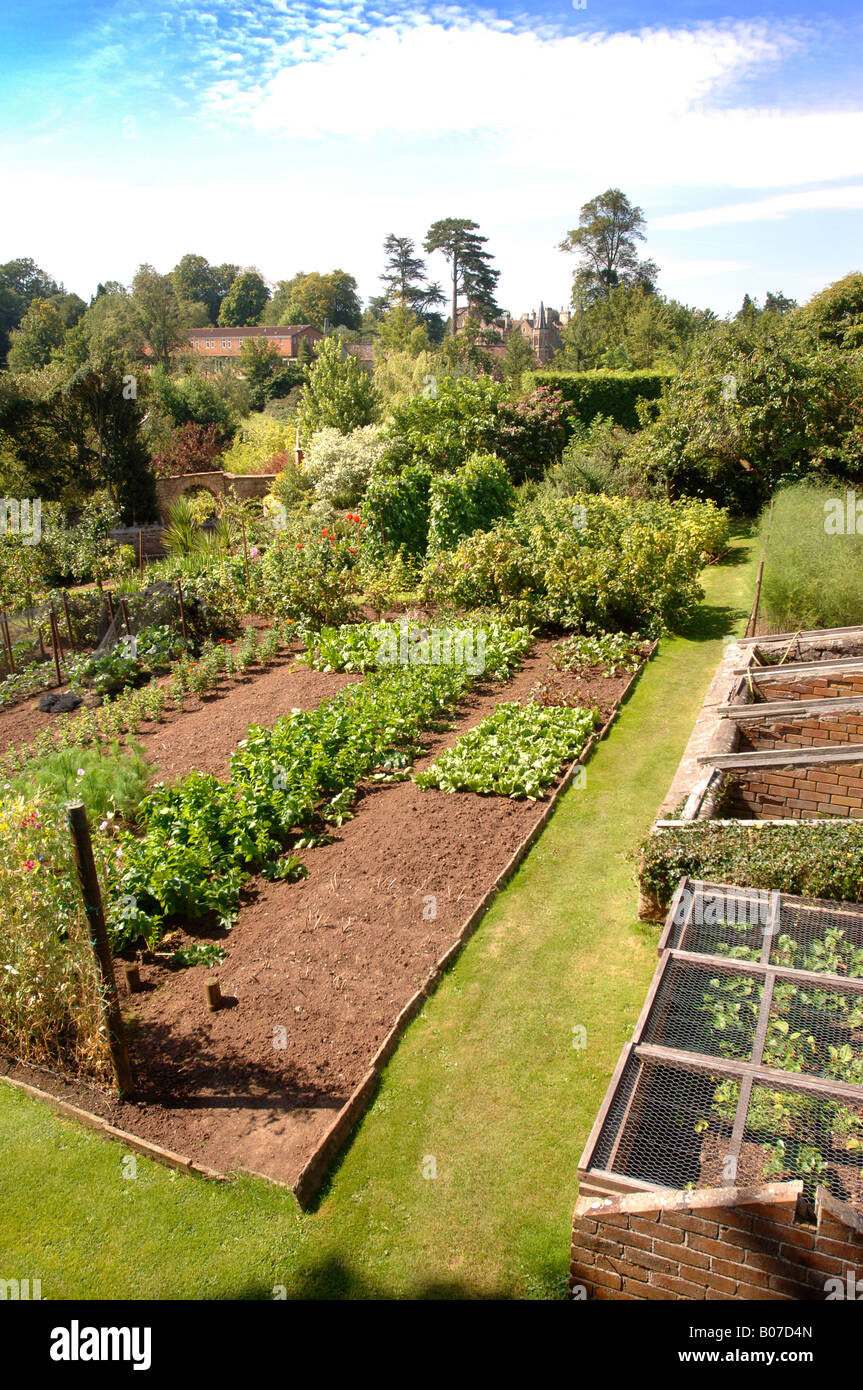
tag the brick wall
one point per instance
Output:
(795, 793)
(808, 731)
(717, 1243)
(813, 687)
(242, 485)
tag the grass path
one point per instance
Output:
(486, 1091)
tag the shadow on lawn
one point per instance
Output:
(333, 1279)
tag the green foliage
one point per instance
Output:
(814, 861)
(194, 397)
(614, 395)
(318, 299)
(40, 334)
(468, 500)
(496, 648)
(397, 511)
(586, 564)
(338, 394)
(835, 314)
(245, 301)
(813, 560)
(615, 652)
(756, 405)
(109, 780)
(307, 573)
(456, 417)
(598, 458)
(518, 751)
(259, 439)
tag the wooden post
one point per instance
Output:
(41, 643)
(753, 621)
(55, 642)
(89, 881)
(68, 614)
(133, 977)
(124, 609)
(245, 551)
(7, 641)
(213, 991)
(140, 554)
(182, 610)
(109, 596)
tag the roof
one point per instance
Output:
(275, 330)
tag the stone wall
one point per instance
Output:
(243, 485)
(795, 792)
(716, 1243)
(810, 730)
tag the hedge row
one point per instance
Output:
(613, 394)
(811, 861)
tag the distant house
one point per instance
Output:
(363, 352)
(542, 330)
(221, 345)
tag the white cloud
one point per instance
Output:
(776, 208)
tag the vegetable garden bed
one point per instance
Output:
(317, 973)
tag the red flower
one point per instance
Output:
(299, 545)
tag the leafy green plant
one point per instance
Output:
(518, 751)
(614, 652)
(109, 780)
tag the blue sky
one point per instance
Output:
(295, 136)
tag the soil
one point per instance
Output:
(317, 971)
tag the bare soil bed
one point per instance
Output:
(317, 971)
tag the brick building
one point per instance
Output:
(221, 345)
(542, 330)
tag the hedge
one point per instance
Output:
(613, 394)
(471, 499)
(811, 861)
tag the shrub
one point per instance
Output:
(469, 500)
(817, 861)
(811, 573)
(191, 449)
(258, 439)
(586, 564)
(308, 576)
(467, 415)
(339, 465)
(397, 510)
(612, 394)
(110, 781)
(338, 394)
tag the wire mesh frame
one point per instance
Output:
(670, 1104)
(725, 919)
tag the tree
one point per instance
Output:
(518, 355)
(835, 314)
(325, 301)
(338, 392)
(162, 319)
(245, 301)
(401, 330)
(778, 303)
(198, 282)
(405, 278)
(605, 241)
(267, 374)
(39, 335)
(21, 281)
(470, 266)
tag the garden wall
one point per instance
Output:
(812, 728)
(717, 1243)
(243, 485)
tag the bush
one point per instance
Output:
(110, 781)
(816, 861)
(811, 574)
(470, 415)
(259, 438)
(586, 564)
(308, 575)
(612, 394)
(397, 511)
(339, 466)
(469, 500)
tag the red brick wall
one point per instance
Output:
(795, 793)
(807, 732)
(814, 687)
(717, 1243)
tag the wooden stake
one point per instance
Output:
(7, 641)
(213, 991)
(55, 642)
(133, 977)
(124, 609)
(140, 554)
(68, 614)
(182, 610)
(245, 552)
(753, 621)
(89, 881)
(109, 596)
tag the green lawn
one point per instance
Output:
(487, 1082)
